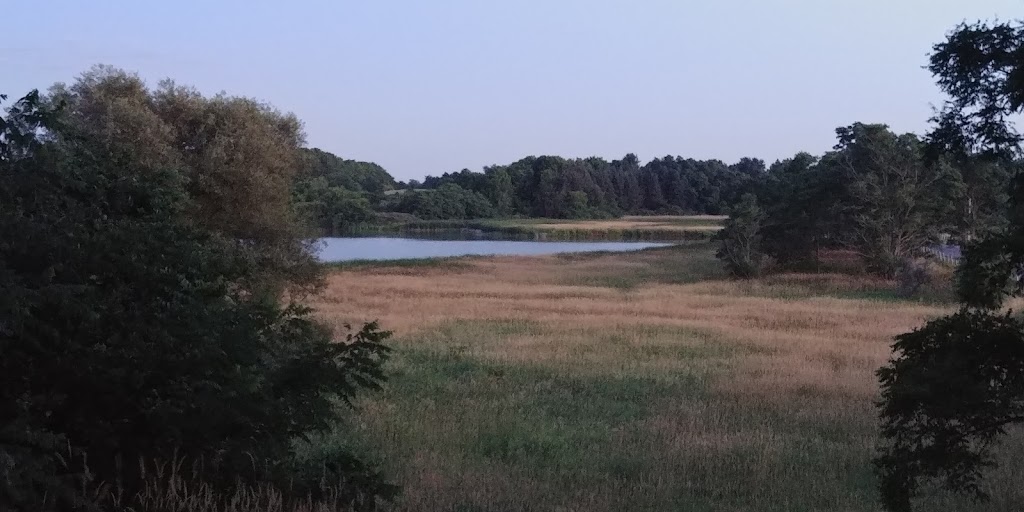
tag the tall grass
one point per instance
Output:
(640, 381)
(174, 486)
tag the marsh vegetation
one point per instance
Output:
(640, 381)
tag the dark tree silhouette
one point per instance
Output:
(956, 385)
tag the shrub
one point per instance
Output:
(912, 276)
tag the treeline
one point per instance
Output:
(556, 187)
(883, 195)
(333, 193)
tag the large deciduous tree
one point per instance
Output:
(955, 386)
(131, 330)
(894, 197)
(237, 157)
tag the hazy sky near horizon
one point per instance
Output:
(429, 87)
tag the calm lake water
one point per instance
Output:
(386, 248)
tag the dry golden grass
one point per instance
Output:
(668, 223)
(824, 343)
(639, 381)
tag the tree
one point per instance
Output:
(894, 207)
(548, 189)
(576, 205)
(742, 177)
(330, 210)
(797, 203)
(542, 186)
(130, 331)
(237, 156)
(654, 198)
(500, 191)
(367, 178)
(447, 202)
(978, 190)
(956, 385)
(740, 239)
(625, 174)
(981, 67)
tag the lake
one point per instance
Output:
(388, 248)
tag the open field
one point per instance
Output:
(634, 381)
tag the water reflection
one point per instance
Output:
(388, 248)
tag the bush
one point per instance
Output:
(911, 277)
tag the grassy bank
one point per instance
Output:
(669, 228)
(633, 381)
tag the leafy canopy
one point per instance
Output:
(740, 243)
(956, 385)
(131, 330)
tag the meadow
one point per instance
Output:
(633, 381)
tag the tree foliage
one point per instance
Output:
(880, 195)
(895, 199)
(237, 157)
(800, 200)
(131, 329)
(740, 243)
(551, 186)
(500, 191)
(981, 67)
(330, 210)
(365, 178)
(956, 385)
(978, 194)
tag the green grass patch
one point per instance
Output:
(534, 418)
(934, 294)
(684, 263)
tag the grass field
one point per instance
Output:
(634, 381)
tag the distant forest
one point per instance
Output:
(961, 196)
(333, 192)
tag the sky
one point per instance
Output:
(426, 87)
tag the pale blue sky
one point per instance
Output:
(424, 87)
